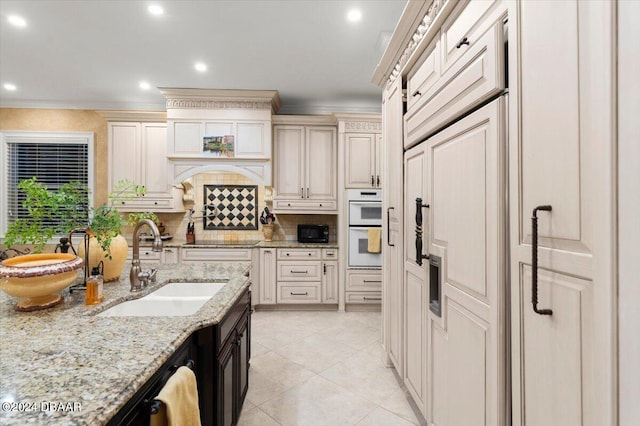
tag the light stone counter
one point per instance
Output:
(67, 366)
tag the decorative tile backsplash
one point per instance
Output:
(230, 207)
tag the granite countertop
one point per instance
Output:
(246, 244)
(67, 366)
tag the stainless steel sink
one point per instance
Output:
(173, 299)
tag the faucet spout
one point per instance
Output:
(140, 279)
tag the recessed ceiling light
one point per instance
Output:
(155, 9)
(144, 85)
(200, 67)
(10, 87)
(17, 21)
(354, 15)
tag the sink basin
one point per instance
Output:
(174, 299)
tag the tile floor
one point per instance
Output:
(322, 368)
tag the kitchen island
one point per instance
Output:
(68, 366)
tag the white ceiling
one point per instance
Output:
(92, 54)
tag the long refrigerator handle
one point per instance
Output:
(419, 207)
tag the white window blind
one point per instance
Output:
(54, 158)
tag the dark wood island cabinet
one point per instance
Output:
(219, 355)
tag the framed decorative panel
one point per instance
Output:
(230, 207)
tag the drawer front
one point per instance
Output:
(304, 205)
(215, 255)
(299, 254)
(363, 297)
(424, 76)
(299, 271)
(357, 281)
(299, 292)
(477, 76)
(147, 204)
(330, 254)
(469, 20)
(146, 254)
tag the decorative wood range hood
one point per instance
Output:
(220, 130)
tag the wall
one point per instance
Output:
(65, 120)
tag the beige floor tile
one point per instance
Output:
(315, 353)
(382, 417)
(400, 404)
(271, 374)
(317, 402)
(255, 417)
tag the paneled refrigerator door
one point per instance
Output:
(466, 229)
(415, 285)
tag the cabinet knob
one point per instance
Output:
(287, 254)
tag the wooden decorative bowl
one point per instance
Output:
(37, 278)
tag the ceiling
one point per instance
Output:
(93, 54)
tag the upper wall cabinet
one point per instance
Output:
(360, 137)
(252, 139)
(305, 168)
(138, 152)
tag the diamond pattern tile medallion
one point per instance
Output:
(231, 207)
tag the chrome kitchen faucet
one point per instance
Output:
(139, 278)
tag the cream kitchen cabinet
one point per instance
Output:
(305, 169)
(298, 276)
(363, 286)
(138, 152)
(267, 287)
(392, 226)
(363, 160)
(252, 138)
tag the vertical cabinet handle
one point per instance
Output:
(389, 228)
(373, 182)
(534, 260)
(307, 192)
(378, 181)
(419, 255)
(301, 192)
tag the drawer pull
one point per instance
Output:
(299, 294)
(299, 272)
(371, 298)
(462, 43)
(371, 281)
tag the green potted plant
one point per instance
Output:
(61, 211)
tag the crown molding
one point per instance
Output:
(178, 98)
(418, 25)
(301, 120)
(148, 116)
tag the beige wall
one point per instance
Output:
(65, 120)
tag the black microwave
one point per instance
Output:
(313, 233)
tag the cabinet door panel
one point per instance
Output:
(267, 276)
(321, 162)
(124, 152)
(253, 140)
(360, 160)
(226, 385)
(154, 156)
(330, 282)
(467, 227)
(187, 138)
(289, 167)
(564, 157)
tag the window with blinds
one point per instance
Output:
(54, 158)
